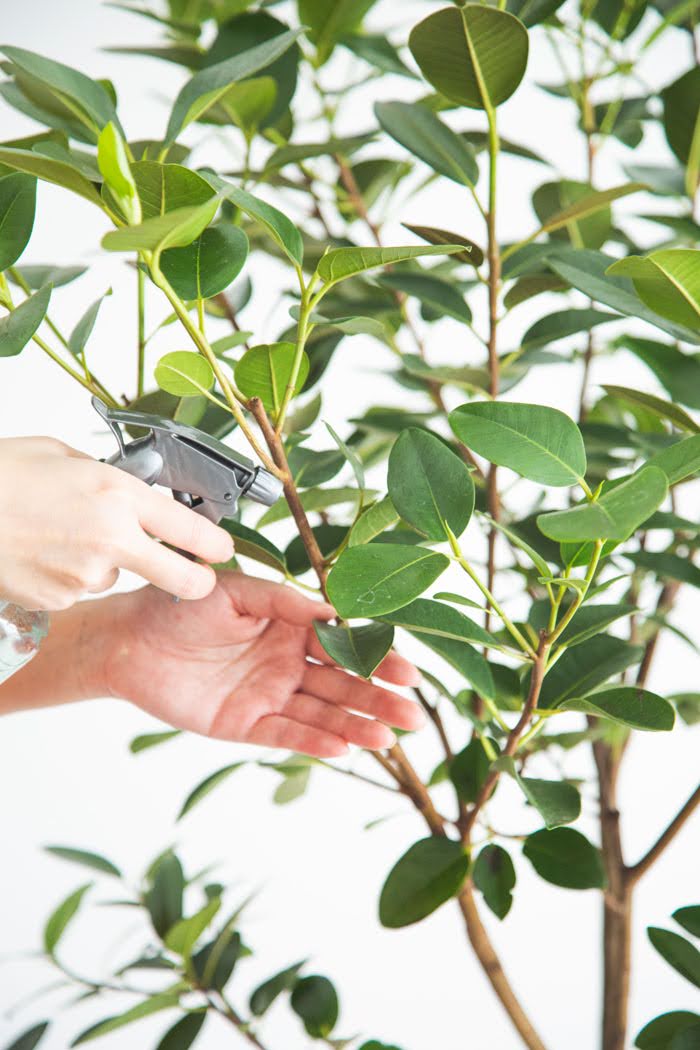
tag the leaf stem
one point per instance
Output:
(141, 330)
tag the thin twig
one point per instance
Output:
(642, 866)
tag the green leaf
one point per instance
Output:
(378, 51)
(380, 516)
(50, 170)
(163, 898)
(424, 616)
(587, 205)
(433, 292)
(494, 875)
(184, 373)
(689, 918)
(313, 500)
(293, 786)
(562, 324)
(426, 876)
(656, 405)
(206, 786)
(474, 55)
(667, 566)
(167, 187)
(590, 230)
(174, 229)
(465, 659)
(91, 97)
(678, 953)
(252, 544)
(469, 769)
(429, 485)
(61, 917)
(37, 276)
(30, 1039)
(588, 272)
(473, 255)
(565, 858)
(205, 88)
(615, 516)
(341, 263)
(280, 228)
(628, 706)
(315, 1001)
(209, 264)
(330, 22)
(84, 857)
(83, 330)
(18, 327)
(681, 101)
(293, 152)
(424, 135)
(114, 167)
(678, 372)
(556, 801)
(667, 281)
(659, 1033)
(540, 443)
(265, 994)
(249, 104)
(184, 1032)
(360, 649)
(378, 578)
(265, 371)
(583, 668)
(215, 962)
(17, 206)
(147, 740)
(154, 1004)
(182, 937)
(589, 621)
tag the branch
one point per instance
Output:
(652, 855)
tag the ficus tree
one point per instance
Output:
(544, 635)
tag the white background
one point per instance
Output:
(67, 776)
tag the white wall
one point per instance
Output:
(67, 776)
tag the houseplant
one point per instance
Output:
(562, 644)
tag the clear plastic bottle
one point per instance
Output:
(21, 634)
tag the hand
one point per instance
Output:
(239, 665)
(69, 523)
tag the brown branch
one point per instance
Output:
(230, 313)
(226, 1011)
(415, 789)
(652, 855)
(666, 599)
(434, 716)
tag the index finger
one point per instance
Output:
(267, 600)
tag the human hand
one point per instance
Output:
(69, 523)
(240, 665)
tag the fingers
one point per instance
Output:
(338, 687)
(278, 731)
(272, 601)
(393, 668)
(163, 517)
(170, 571)
(104, 584)
(364, 732)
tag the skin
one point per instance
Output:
(242, 664)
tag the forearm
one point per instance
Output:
(70, 663)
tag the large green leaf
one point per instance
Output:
(424, 616)
(565, 858)
(562, 324)
(667, 566)
(437, 294)
(681, 101)
(184, 373)
(659, 1033)
(265, 994)
(174, 229)
(50, 170)
(628, 705)
(469, 769)
(380, 516)
(540, 443)
(376, 579)
(59, 919)
(209, 264)
(18, 327)
(678, 372)
(429, 485)
(589, 229)
(689, 918)
(668, 282)
(163, 897)
(315, 1001)
(678, 952)
(17, 205)
(265, 371)
(207, 86)
(427, 875)
(584, 667)
(474, 55)
(330, 22)
(340, 263)
(424, 135)
(557, 801)
(280, 228)
(656, 405)
(184, 1032)
(252, 544)
(494, 875)
(182, 937)
(166, 187)
(615, 516)
(360, 649)
(470, 663)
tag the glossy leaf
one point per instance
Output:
(148, 740)
(425, 136)
(678, 372)
(17, 205)
(681, 101)
(341, 263)
(184, 373)
(37, 276)
(667, 566)
(85, 858)
(163, 898)
(209, 264)
(315, 1001)
(659, 1033)
(434, 292)
(562, 324)
(426, 876)
(174, 229)
(424, 616)
(668, 282)
(656, 405)
(582, 669)
(265, 372)
(167, 187)
(429, 485)
(565, 858)
(678, 953)
(359, 649)
(206, 786)
(80, 335)
(184, 1032)
(60, 918)
(252, 544)
(472, 254)
(615, 516)
(50, 170)
(266, 993)
(494, 876)
(376, 579)
(591, 229)
(154, 1004)
(470, 663)
(474, 55)
(628, 705)
(18, 326)
(182, 937)
(114, 166)
(689, 918)
(280, 228)
(557, 801)
(469, 769)
(329, 23)
(540, 443)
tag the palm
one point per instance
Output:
(244, 664)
